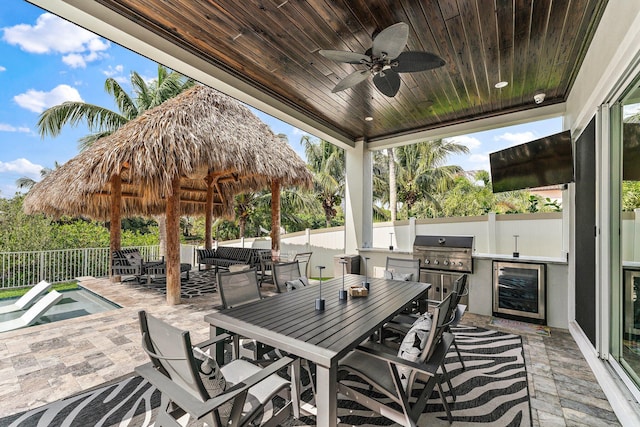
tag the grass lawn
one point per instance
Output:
(18, 292)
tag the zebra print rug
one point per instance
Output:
(491, 391)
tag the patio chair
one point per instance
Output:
(266, 266)
(286, 272)
(32, 315)
(304, 259)
(191, 383)
(28, 299)
(129, 262)
(238, 288)
(403, 269)
(402, 322)
(395, 377)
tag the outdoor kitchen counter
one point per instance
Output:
(522, 258)
(480, 281)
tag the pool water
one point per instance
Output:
(75, 303)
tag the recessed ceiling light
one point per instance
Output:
(368, 118)
(500, 85)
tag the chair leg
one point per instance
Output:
(448, 379)
(459, 355)
(444, 403)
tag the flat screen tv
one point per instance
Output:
(545, 161)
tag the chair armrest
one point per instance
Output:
(379, 351)
(190, 403)
(211, 341)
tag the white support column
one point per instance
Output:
(358, 198)
(412, 232)
(491, 233)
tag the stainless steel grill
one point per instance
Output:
(445, 253)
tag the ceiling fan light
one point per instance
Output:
(501, 84)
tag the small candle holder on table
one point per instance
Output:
(342, 295)
(366, 283)
(320, 300)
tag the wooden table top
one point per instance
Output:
(290, 322)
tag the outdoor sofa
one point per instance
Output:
(224, 257)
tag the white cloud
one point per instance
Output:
(21, 166)
(479, 158)
(113, 71)
(51, 34)
(516, 138)
(2, 68)
(4, 127)
(38, 101)
(470, 142)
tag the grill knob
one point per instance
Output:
(460, 263)
(436, 262)
(446, 262)
(426, 261)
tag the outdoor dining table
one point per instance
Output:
(290, 322)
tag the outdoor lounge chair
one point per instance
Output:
(32, 315)
(396, 376)
(192, 384)
(28, 299)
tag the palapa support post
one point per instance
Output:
(275, 216)
(173, 243)
(115, 227)
(208, 214)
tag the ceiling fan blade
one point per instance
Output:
(345, 56)
(351, 80)
(388, 83)
(410, 62)
(391, 41)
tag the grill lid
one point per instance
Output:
(444, 241)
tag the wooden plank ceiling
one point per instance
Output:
(535, 46)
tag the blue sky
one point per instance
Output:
(45, 61)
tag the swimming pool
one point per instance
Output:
(74, 303)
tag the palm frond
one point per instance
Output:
(125, 104)
(53, 119)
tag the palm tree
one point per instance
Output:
(327, 163)
(422, 174)
(100, 120)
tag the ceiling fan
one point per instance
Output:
(384, 60)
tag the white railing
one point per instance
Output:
(19, 269)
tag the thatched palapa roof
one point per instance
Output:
(198, 134)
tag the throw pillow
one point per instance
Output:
(392, 275)
(300, 282)
(413, 345)
(134, 258)
(212, 378)
(406, 277)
